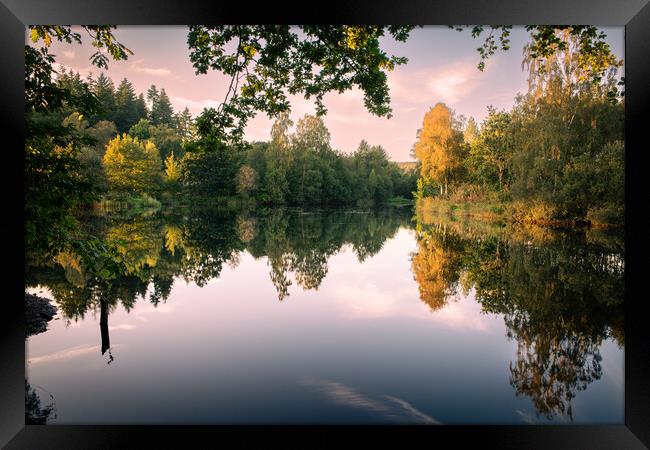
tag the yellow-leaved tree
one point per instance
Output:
(440, 147)
(132, 165)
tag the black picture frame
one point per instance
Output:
(633, 14)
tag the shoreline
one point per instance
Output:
(501, 212)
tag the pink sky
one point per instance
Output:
(442, 67)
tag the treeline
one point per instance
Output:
(297, 168)
(145, 148)
(556, 156)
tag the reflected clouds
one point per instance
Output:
(388, 406)
(64, 355)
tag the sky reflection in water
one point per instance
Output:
(360, 344)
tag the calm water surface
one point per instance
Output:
(334, 317)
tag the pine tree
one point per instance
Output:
(141, 108)
(185, 123)
(125, 106)
(162, 111)
(104, 89)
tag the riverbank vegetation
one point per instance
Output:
(556, 158)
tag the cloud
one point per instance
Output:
(64, 355)
(454, 83)
(136, 66)
(450, 83)
(124, 326)
(195, 104)
(369, 301)
(386, 405)
(527, 417)
(69, 54)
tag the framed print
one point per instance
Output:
(277, 224)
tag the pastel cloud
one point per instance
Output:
(64, 355)
(137, 66)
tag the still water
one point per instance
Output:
(294, 316)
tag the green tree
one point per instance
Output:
(141, 130)
(162, 112)
(102, 132)
(210, 167)
(54, 185)
(126, 113)
(471, 132)
(141, 107)
(186, 127)
(131, 165)
(492, 152)
(269, 62)
(104, 89)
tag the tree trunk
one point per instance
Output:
(103, 328)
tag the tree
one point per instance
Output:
(440, 147)
(246, 180)
(172, 170)
(131, 165)
(152, 96)
(547, 41)
(471, 132)
(141, 108)
(104, 89)
(54, 185)
(166, 139)
(273, 61)
(162, 112)
(567, 124)
(102, 132)
(210, 167)
(141, 130)
(126, 113)
(186, 127)
(280, 137)
(496, 145)
(311, 134)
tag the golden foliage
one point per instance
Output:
(440, 145)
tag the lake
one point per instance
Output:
(329, 316)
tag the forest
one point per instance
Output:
(556, 158)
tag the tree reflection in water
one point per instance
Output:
(560, 293)
(155, 249)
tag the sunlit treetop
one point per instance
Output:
(267, 63)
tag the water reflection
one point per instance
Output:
(560, 294)
(193, 246)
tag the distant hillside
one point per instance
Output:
(407, 166)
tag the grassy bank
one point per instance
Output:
(134, 202)
(495, 210)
